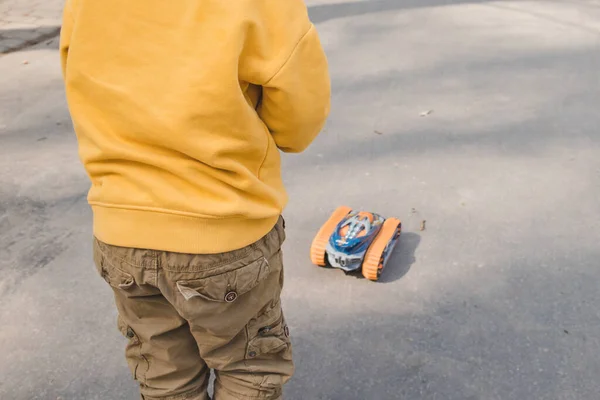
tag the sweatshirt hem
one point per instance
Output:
(179, 233)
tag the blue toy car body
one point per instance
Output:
(351, 239)
(355, 240)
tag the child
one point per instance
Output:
(180, 109)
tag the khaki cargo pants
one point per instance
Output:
(185, 314)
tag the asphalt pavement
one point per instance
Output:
(482, 116)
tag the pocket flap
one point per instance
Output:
(228, 286)
(266, 345)
(111, 273)
(117, 278)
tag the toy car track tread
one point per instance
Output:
(319, 244)
(373, 263)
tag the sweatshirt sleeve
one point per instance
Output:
(296, 100)
(283, 54)
(65, 34)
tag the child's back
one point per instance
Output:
(180, 109)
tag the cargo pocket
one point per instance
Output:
(226, 286)
(114, 276)
(269, 336)
(138, 363)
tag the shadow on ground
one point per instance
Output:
(402, 258)
(17, 39)
(325, 12)
(465, 345)
(524, 133)
(462, 345)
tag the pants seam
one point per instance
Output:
(146, 360)
(157, 266)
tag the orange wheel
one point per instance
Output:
(319, 244)
(373, 263)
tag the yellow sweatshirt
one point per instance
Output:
(180, 110)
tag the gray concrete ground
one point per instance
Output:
(25, 22)
(497, 299)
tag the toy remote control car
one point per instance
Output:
(351, 240)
